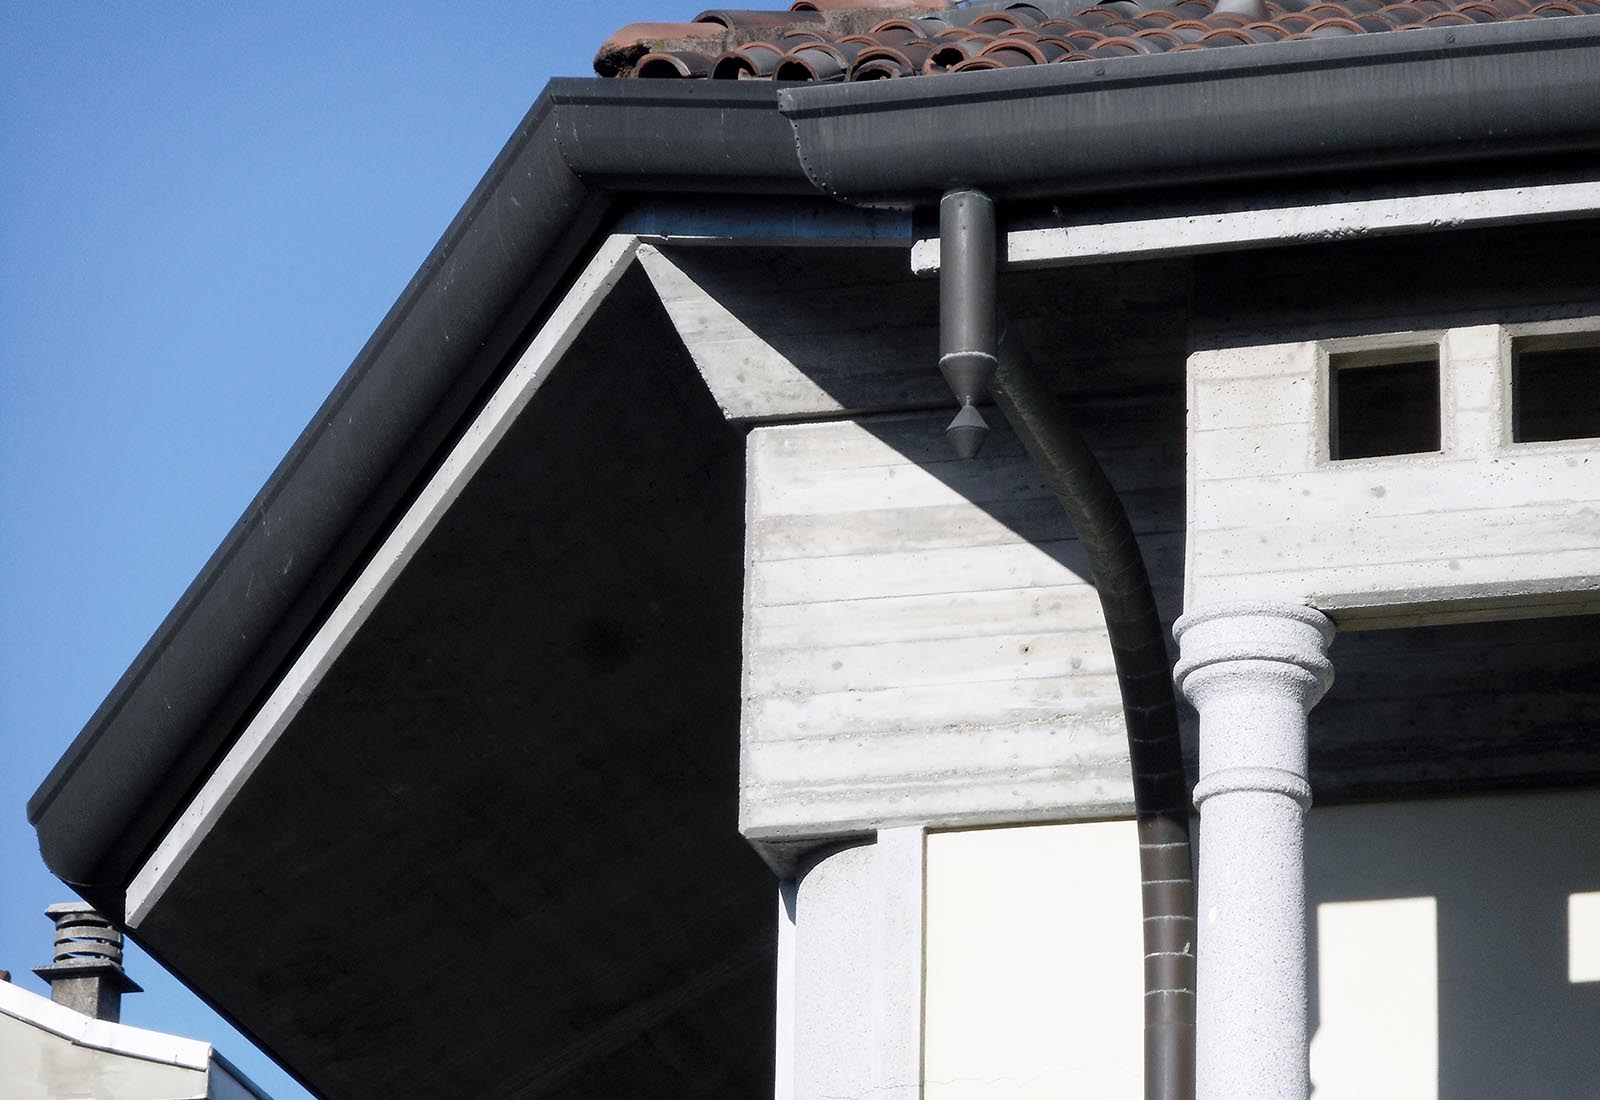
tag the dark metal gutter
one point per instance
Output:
(1330, 105)
(1246, 113)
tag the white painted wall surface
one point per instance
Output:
(1500, 873)
(1483, 522)
(1377, 969)
(1452, 939)
(1034, 962)
(50, 1052)
(1583, 937)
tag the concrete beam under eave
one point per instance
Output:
(1222, 230)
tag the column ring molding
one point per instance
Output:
(1254, 781)
(1315, 665)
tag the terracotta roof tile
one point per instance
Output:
(837, 40)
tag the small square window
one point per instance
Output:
(1383, 402)
(1555, 387)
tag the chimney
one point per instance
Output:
(86, 974)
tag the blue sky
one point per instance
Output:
(205, 209)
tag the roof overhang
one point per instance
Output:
(1145, 124)
(521, 272)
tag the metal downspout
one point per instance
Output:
(969, 330)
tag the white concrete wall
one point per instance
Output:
(1454, 947)
(921, 644)
(749, 320)
(1484, 523)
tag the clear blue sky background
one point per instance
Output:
(205, 209)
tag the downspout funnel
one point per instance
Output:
(968, 320)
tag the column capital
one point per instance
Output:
(1254, 645)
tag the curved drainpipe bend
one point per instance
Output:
(974, 356)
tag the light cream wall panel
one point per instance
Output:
(1359, 1031)
(922, 644)
(1453, 943)
(36, 1064)
(1443, 934)
(1034, 961)
(1483, 522)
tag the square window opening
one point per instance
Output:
(1555, 387)
(1383, 402)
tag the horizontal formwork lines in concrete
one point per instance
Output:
(962, 704)
(998, 612)
(922, 640)
(1385, 485)
(930, 662)
(947, 572)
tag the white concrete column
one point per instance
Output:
(1253, 672)
(852, 1008)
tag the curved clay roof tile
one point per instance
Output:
(900, 30)
(1334, 28)
(752, 61)
(1266, 32)
(951, 54)
(677, 65)
(625, 49)
(937, 36)
(1017, 46)
(1227, 36)
(1159, 39)
(994, 22)
(1400, 15)
(878, 68)
(1123, 47)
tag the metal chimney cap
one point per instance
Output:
(87, 945)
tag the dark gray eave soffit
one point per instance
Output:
(1460, 95)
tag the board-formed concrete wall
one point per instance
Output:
(922, 644)
(1484, 526)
